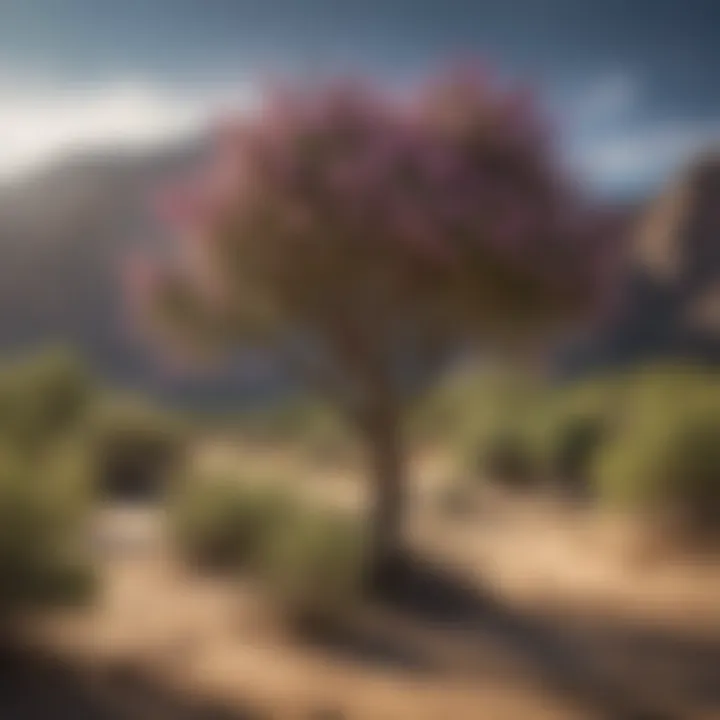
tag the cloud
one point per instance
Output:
(607, 99)
(645, 155)
(618, 145)
(39, 124)
(608, 135)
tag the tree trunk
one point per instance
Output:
(387, 468)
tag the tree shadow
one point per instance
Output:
(368, 643)
(37, 685)
(608, 670)
(687, 667)
(564, 658)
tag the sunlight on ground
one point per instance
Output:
(222, 637)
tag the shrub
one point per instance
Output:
(44, 514)
(136, 449)
(507, 458)
(43, 398)
(570, 450)
(311, 561)
(474, 403)
(315, 567)
(668, 464)
(222, 524)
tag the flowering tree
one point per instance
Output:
(366, 236)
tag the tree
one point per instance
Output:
(372, 237)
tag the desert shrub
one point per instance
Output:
(474, 403)
(315, 566)
(309, 560)
(506, 457)
(42, 398)
(666, 462)
(44, 523)
(223, 524)
(486, 418)
(136, 449)
(569, 450)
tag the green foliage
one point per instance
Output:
(136, 447)
(45, 481)
(665, 458)
(42, 398)
(645, 439)
(315, 566)
(44, 516)
(506, 458)
(488, 418)
(224, 524)
(311, 561)
(473, 404)
(569, 426)
(570, 446)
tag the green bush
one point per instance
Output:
(570, 449)
(474, 403)
(315, 567)
(310, 561)
(43, 398)
(507, 458)
(44, 526)
(136, 449)
(221, 524)
(645, 438)
(666, 462)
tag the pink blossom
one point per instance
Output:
(462, 172)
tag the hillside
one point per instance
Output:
(669, 305)
(63, 238)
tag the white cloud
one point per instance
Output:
(644, 155)
(39, 124)
(607, 99)
(606, 137)
(613, 141)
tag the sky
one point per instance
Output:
(632, 84)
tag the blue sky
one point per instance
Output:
(633, 83)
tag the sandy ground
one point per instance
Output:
(562, 627)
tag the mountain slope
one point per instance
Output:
(63, 238)
(670, 297)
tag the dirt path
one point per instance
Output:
(534, 633)
(219, 640)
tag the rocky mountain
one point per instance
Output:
(669, 305)
(64, 236)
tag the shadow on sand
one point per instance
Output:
(38, 686)
(609, 672)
